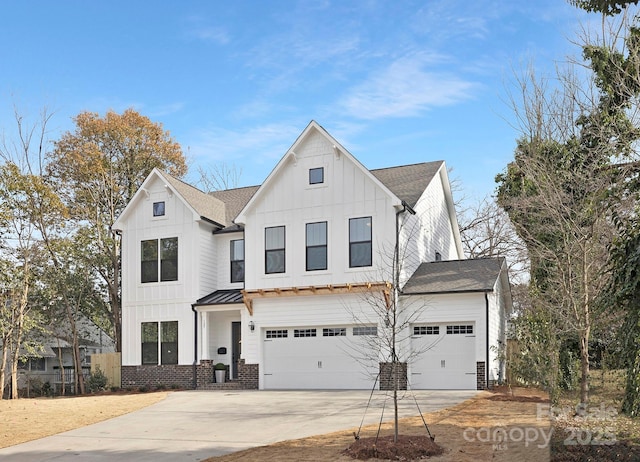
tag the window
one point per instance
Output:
(32, 364)
(335, 332)
(438, 256)
(465, 329)
(149, 343)
(426, 330)
(304, 332)
(158, 209)
(274, 250)
(360, 253)
(168, 252)
(365, 330)
(317, 246)
(278, 333)
(237, 260)
(316, 175)
(166, 349)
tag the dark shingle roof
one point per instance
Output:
(477, 275)
(221, 297)
(408, 182)
(235, 200)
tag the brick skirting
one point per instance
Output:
(386, 376)
(481, 376)
(182, 376)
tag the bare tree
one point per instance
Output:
(218, 177)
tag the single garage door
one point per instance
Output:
(445, 356)
(317, 358)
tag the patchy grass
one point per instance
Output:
(598, 432)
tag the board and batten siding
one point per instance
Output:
(289, 200)
(160, 301)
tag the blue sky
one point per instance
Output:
(396, 82)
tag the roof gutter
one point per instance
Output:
(209, 220)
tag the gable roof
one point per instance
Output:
(408, 182)
(205, 205)
(201, 204)
(478, 275)
(290, 154)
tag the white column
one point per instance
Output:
(204, 335)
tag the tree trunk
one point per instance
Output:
(3, 368)
(584, 367)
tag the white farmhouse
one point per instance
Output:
(277, 281)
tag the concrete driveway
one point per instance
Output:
(193, 425)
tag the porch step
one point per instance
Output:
(231, 385)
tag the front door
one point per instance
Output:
(236, 342)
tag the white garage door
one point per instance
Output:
(317, 358)
(446, 356)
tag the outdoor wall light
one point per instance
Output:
(252, 326)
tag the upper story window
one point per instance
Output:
(274, 251)
(160, 260)
(316, 175)
(237, 260)
(158, 209)
(360, 242)
(316, 246)
(438, 256)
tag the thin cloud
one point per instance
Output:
(406, 88)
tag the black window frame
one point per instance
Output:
(159, 260)
(355, 244)
(313, 179)
(159, 209)
(237, 264)
(269, 253)
(159, 342)
(315, 249)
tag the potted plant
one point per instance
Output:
(220, 371)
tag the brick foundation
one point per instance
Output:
(248, 375)
(386, 376)
(168, 375)
(182, 376)
(481, 376)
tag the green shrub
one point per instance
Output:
(97, 381)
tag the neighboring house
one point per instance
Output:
(54, 354)
(271, 280)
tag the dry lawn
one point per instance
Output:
(29, 419)
(473, 431)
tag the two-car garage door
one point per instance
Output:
(318, 358)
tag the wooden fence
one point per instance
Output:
(109, 364)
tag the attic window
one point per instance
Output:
(158, 209)
(316, 175)
(438, 256)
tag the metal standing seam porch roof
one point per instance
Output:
(220, 297)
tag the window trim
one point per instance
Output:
(369, 241)
(316, 169)
(319, 246)
(161, 354)
(268, 251)
(233, 260)
(159, 262)
(164, 209)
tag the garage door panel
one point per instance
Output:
(444, 359)
(316, 362)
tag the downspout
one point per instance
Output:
(195, 346)
(486, 367)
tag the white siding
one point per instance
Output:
(223, 246)
(289, 200)
(162, 301)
